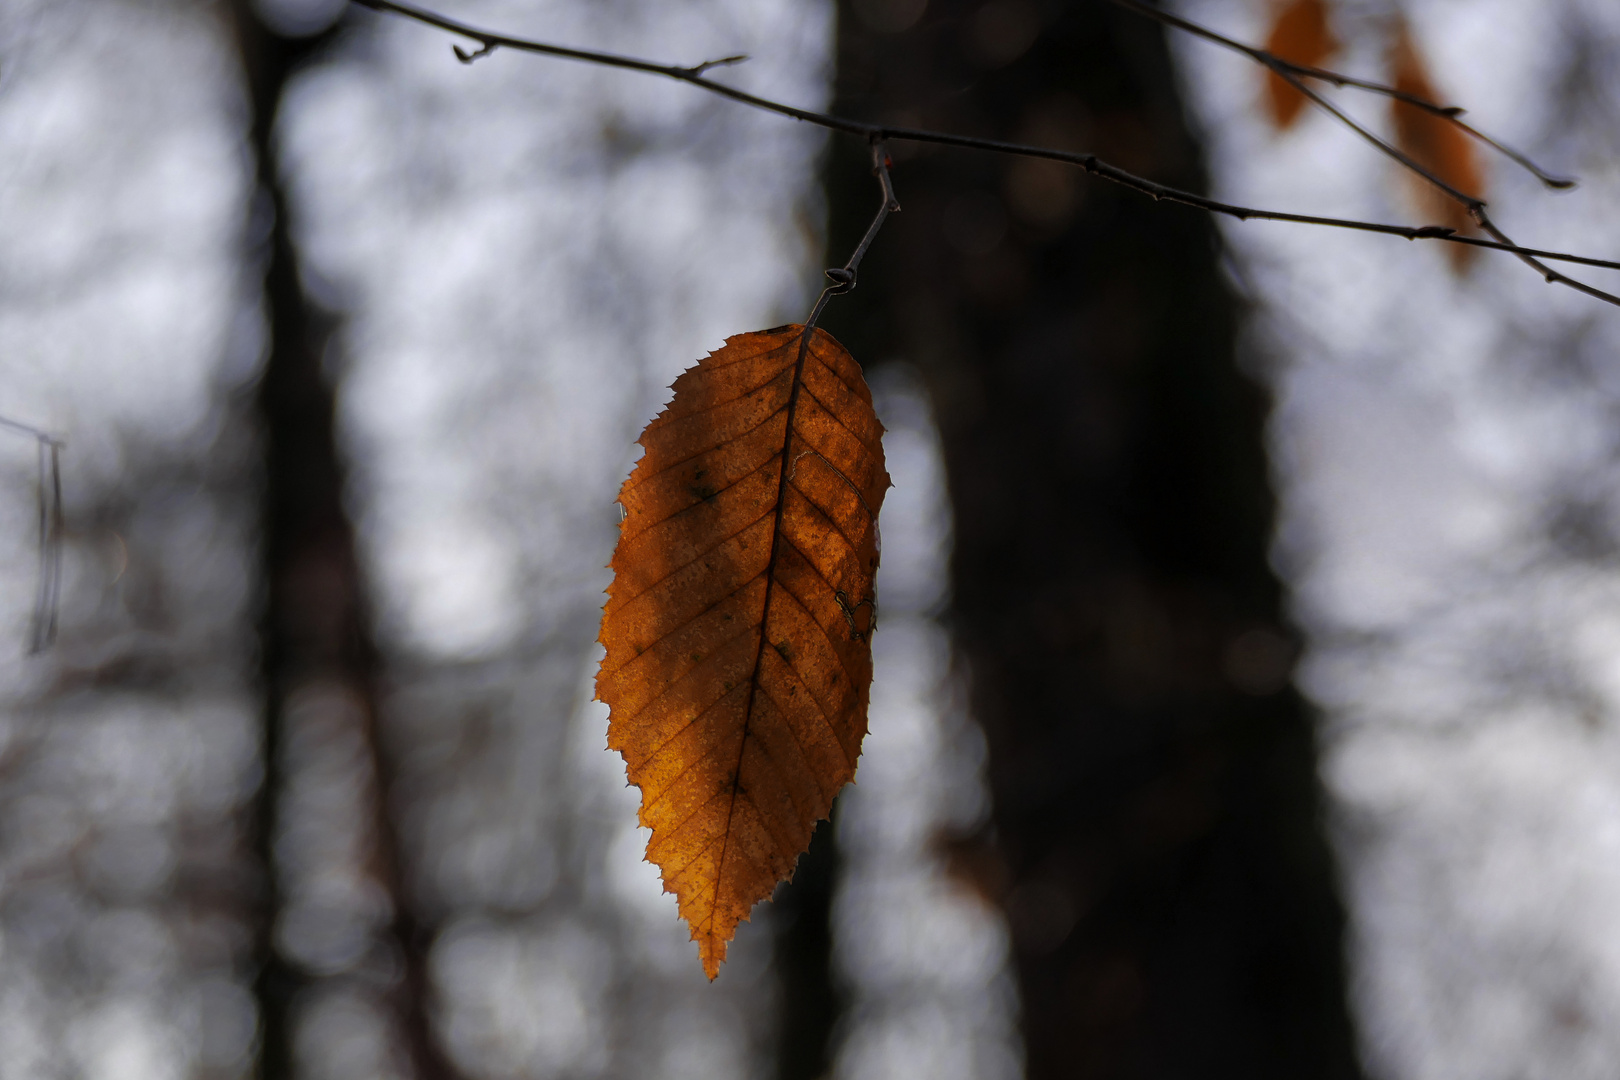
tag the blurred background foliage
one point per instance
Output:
(1247, 681)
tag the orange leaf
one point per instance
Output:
(1300, 35)
(1436, 144)
(737, 626)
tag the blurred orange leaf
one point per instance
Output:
(737, 626)
(1301, 35)
(1437, 145)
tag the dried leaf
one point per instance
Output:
(738, 622)
(1437, 145)
(1300, 35)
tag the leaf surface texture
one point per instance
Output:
(739, 620)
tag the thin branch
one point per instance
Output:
(724, 61)
(1548, 274)
(52, 526)
(47, 598)
(490, 41)
(1472, 203)
(31, 431)
(842, 279)
(468, 57)
(845, 278)
(1557, 183)
(1285, 68)
(1092, 164)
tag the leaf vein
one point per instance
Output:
(664, 420)
(651, 525)
(634, 482)
(675, 570)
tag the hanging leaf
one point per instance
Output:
(1301, 35)
(1436, 144)
(739, 619)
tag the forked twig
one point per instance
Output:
(1285, 68)
(1472, 203)
(1092, 164)
(842, 279)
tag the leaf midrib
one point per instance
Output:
(805, 337)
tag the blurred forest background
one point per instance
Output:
(1248, 687)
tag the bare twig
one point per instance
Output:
(1285, 68)
(47, 597)
(48, 591)
(31, 431)
(1383, 145)
(1472, 203)
(842, 279)
(724, 61)
(489, 40)
(1557, 183)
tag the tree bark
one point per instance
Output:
(1157, 814)
(801, 910)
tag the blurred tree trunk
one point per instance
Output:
(315, 623)
(1157, 820)
(801, 911)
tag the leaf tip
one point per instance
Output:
(712, 951)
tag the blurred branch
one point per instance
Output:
(1288, 70)
(1294, 75)
(314, 626)
(47, 598)
(842, 279)
(1472, 203)
(490, 41)
(48, 594)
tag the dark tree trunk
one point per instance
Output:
(314, 625)
(1156, 805)
(802, 912)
